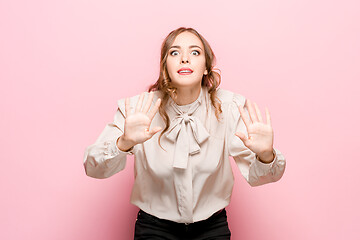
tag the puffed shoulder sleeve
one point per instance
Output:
(254, 171)
(103, 158)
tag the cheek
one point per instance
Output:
(201, 64)
(200, 60)
(170, 65)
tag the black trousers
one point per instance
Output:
(152, 228)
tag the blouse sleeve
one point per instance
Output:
(254, 171)
(103, 158)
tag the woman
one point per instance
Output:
(183, 177)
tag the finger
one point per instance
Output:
(251, 111)
(139, 103)
(148, 102)
(268, 118)
(127, 107)
(258, 112)
(244, 117)
(154, 109)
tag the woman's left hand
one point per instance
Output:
(260, 134)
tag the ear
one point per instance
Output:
(206, 72)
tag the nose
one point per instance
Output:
(184, 59)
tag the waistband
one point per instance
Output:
(221, 211)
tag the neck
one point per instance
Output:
(187, 95)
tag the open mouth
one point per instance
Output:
(185, 71)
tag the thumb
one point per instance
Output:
(241, 136)
(154, 131)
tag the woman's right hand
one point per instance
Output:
(137, 124)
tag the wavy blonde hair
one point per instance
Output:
(163, 84)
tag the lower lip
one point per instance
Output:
(185, 73)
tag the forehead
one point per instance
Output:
(186, 39)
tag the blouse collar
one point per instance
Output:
(186, 132)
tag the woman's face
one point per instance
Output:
(186, 61)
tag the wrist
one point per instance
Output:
(123, 144)
(266, 157)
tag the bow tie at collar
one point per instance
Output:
(187, 132)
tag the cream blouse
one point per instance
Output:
(192, 178)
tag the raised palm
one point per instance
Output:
(260, 134)
(137, 124)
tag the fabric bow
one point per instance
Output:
(187, 132)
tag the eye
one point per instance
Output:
(196, 52)
(173, 53)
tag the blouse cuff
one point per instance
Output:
(265, 167)
(112, 150)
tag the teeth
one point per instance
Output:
(183, 71)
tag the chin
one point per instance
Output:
(187, 85)
(183, 82)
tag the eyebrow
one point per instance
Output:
(191, 46)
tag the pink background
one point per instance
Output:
(64, 64)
